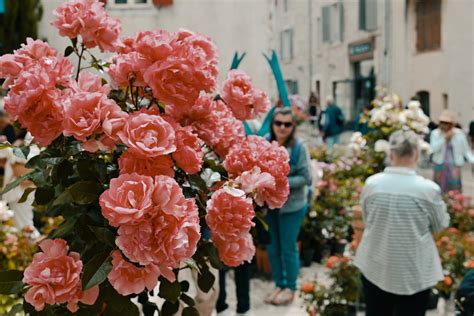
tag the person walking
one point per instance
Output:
(284, 224)
(332, 123)
(450, 148)
(397, 256)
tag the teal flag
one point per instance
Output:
(282, 91)
(235, 61)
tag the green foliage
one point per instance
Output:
(11, 282)
(19, 22)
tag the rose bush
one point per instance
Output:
(126, 165)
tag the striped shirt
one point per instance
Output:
(397, 252)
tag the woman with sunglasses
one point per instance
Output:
(450, 149)
(285, 223)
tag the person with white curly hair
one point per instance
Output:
(397, 256)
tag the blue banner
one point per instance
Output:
(2, 6)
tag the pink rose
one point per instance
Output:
(164, 240)
(104, 143)
(256, 183)
(90, 82)
(169, 198)
(188, 154)
(148, 135)
(88, 19)
(113, 119)
(128, 67)
(229, 213)
(245, 101)
(161, 165)
(82, 117)
(128, 199)
(128, 279)
(29, 54)
(234, 251)
(54, 277)
(154, 45)
(178, 79)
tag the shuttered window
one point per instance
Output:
(286, 39)
(332, 23)
(368, 15)
(428, 25)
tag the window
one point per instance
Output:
(445, 101)
(285, 5)
(368, 15)
(118, 3)
(286, 38)
(424, 97)
(428, 25)
(332, 23)
(292, 86)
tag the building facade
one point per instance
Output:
(233, 25)
(345, 48)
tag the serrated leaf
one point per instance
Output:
(11, 282)
(68, 51)
(188, 300)
(104, 235)
(169, 308)
(169, 291)
(96, 270)
(206, 280)
(190, 311)
(18, 308)
(85, 192)
(184, 286)
(65, 228)
(44, 195)
(24, 197)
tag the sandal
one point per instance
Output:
(272, 296)
(283, 298)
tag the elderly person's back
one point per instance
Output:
(397, 255)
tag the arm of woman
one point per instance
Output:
(437, 141)
(467, 150)
(302, 176)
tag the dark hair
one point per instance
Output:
(291, 138)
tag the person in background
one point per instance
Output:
(361, 125)
(450, 148)
(397, 256)
(284, 224)
(470, 134)
(332, 123)
(313, 108)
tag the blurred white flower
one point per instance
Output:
(382, 146)
(5, 213)
(413, 104)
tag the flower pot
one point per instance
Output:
(307, 256)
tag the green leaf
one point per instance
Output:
(104, 235)
(190, 311)
(82, 192)
(16, 183)
(188, 300)
(261, 219)
(96, 270)
(18, 308)
(206, 280)
(184, 286)
(65, 228)
(197, 182)
(169, 291)
(85, 192)
(213, 255)
(68, 51)
(11, 282)
(116, 303)
(169, 308)
(25, 195)
(44, 195)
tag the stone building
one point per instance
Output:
(345, 48)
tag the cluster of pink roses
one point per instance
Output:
(167, 120)
(261, 168)
(54, 277)
(157, 228)
(88, 19)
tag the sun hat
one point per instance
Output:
(447, 117)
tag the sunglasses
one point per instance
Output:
(286, 124)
